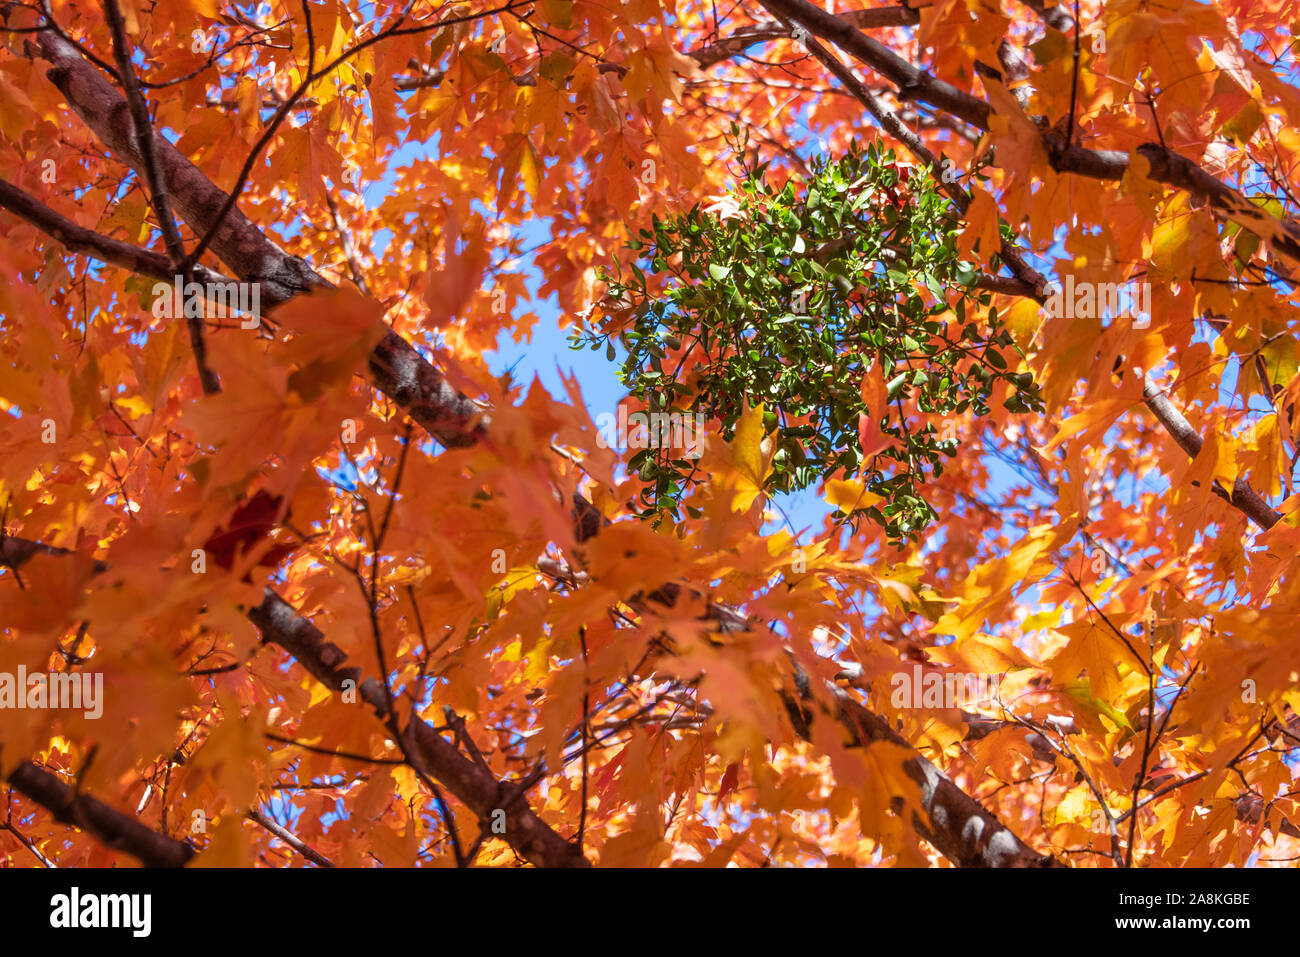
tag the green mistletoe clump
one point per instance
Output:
(788, 297)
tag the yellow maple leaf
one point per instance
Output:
(751, 460)
(850, 495)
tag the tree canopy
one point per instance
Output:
(293, 574)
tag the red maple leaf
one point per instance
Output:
(251, 523)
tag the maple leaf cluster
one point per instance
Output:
(354, 597)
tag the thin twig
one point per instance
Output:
(183, 265)
(306, 850)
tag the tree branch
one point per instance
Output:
(396, 368)
(746, 37)
(474, 785)
(1242, 497)
(79, 239)
(306, 850)
(958, 826)
(114, 829)
(144, 140)
(1166, 166)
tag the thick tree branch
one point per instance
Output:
(959, 827)
(476, 787)
(114, 829)
(79, 239)
(912, 83)
(1166, 166)
(238, 243)
(746, 37)
(397, 369)
(473, 784)
(1056, 17)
